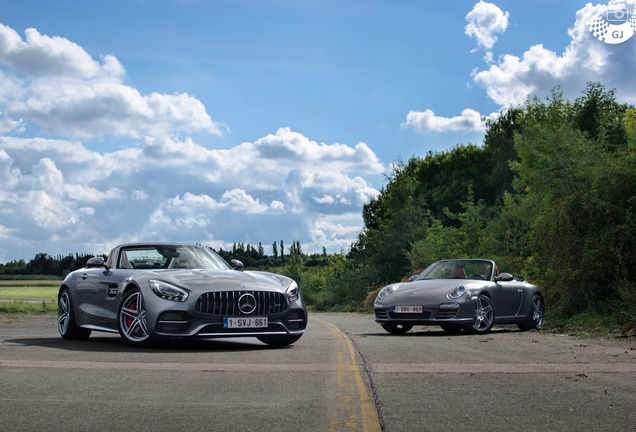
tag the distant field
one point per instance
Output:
(29, 290)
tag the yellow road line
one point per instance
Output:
(356, 410)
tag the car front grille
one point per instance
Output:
(447, 313)
(381, 314)
(226, 303)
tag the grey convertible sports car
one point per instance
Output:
(148, 291)
(467, 294)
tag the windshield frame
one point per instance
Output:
(444, 267)
(166, 257)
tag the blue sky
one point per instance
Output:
(257, 121)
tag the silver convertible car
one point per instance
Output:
(460, 294)
(150, 291)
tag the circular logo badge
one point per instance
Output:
(614, 26)
(247, 303)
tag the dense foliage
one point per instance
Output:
(550, 195)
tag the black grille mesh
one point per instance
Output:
(225, 303)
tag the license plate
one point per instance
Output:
(235, 323)
(408, 309)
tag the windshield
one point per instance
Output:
(169, 257)
(459, 269)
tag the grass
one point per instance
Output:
(19, 307)
(33, 297)
(29, 290)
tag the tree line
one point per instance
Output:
(549, 195)
(42, 265)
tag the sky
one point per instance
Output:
(244, 121)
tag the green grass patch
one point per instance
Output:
(13, 278)
(29, 291)
(30, 297)
(19, 307)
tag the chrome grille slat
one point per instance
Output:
(225, 303)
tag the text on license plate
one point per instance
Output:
(252, 322)
(408, 309)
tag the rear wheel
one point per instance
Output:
(278, 340)
(132, 319)
(66, 324)
(484, 316)
(536, 317)
(394, 328)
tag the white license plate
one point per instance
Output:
(253, 322)
(408, 309)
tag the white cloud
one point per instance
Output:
(41, 55)
(512, 79)
(58, 86)
(484, 21)
(59, 196)
(335, 232)
(538, 70)
(427, 121)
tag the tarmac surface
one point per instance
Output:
(344, 374)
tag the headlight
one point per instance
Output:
(385, 292)
(168, 291)
(293, 292)
(456, 292)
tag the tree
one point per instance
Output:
(577, 170)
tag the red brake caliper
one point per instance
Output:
(129, 320)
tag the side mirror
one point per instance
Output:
(236, 264)
(504, 277)
(97, 261)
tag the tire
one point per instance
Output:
(537, 309)
(394, 328)
(278, 340)
(66, 323)
(132, 319)
(484, 316)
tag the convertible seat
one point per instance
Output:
(124, 263)
(458, 273)
(183, 261)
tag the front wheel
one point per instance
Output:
(278, 340)
(66, 324)
(394, 328)
(537, 311)
(132, 319)
(484, 316)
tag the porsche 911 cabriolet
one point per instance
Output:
(460, 294)
(149, 291)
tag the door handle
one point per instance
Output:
(519, 290)
(84, 276)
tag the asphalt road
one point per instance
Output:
(344, 374)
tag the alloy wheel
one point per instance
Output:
(132, 318)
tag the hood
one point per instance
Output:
(437, 287)
(222, 280)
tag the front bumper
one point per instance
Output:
(432, 314)
(191, 324)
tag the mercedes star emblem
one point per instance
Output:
(247, 303)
